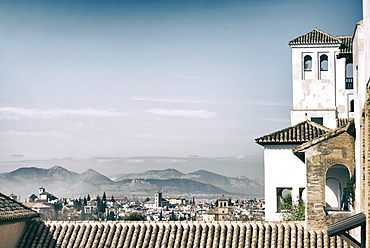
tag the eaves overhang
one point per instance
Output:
(349, 127)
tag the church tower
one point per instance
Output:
(322, 78)
(158, 199)
(223, 209)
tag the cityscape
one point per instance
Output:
(205, 86)
(157, 208)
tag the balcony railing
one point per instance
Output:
(349, 83)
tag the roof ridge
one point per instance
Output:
(325, 136)
(298, 133)
(315, 36)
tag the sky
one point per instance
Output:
(85, 79)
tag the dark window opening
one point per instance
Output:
(301, 193)
(352, 106)
(323, 62)
(307, 63)
(318, 120)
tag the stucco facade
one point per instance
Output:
(285, 173)
(283, 170)
(361, 55)
(322, 78)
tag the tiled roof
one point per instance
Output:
(348, 127)
(342, 121)
(319, 37)
(174, 234)
(300, 133)
(11, 210)
(316, 36)
(346, 46)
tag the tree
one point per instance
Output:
(104, 197)
(134, 217)
(111, 216)
(173, 216)
(88, 198)
(292, 211)
(349, 191)
(112, 199)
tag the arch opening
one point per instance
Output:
(307, 63)
(336, 181)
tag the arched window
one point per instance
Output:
(280, 194)
(323, 62)
(307, 63)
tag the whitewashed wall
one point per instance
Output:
(319, 93)
(282, 169)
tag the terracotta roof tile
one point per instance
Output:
(174, 234)
(300, 133)
(11, 210)
(346, 46)
(315, 36)
(318, 37)
(348, 127)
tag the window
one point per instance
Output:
(323, 62)
(307, 63)
(318, 120)
(349, 76)
(280, 194)
(352, 106)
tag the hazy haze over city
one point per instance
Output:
(90, 82)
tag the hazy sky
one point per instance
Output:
(151, 78)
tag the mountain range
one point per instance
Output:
(64, 183)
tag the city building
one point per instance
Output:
(329, 136)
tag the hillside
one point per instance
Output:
(235, 185)
(64, 183)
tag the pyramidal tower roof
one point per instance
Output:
(316, 36)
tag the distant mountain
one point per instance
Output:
(64, 183)
(56, 180)
(94, 177)
(152, 174)
(172, 186)
(236, 185)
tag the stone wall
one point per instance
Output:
(365, 166)
(337, 149)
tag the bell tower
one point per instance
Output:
(322, 78)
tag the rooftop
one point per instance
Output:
(300, 133)
(174, 234)
(11, 210)
(318, 37)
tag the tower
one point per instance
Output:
(223, 209)
(322, 78)
(158, 199)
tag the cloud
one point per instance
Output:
(276, 119)
(18, 155)
(264, 103)
(169, 100)
(11, 113)
(51, 133)
(183, 113)
(250, 103)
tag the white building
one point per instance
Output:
(322, 101)
(322, 70)
(285, 173)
